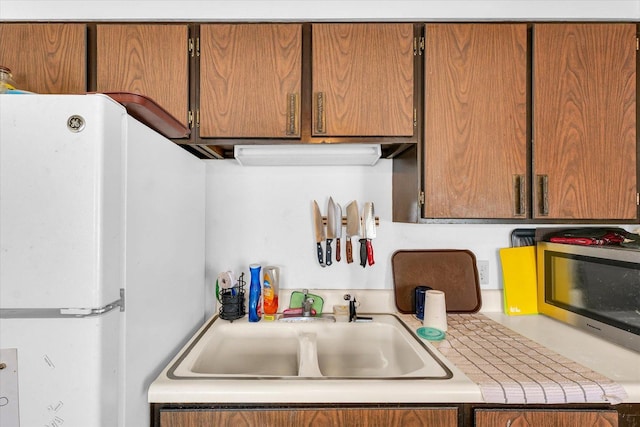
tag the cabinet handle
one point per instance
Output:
(543, 188)
(292, 114)
(518, 191)
(320, 117)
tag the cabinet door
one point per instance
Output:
(584, 121)
(362, 79)
(475, 148)
(286, 417)
(250, 78)
(46, 58)
(147, 59)
(558, 418)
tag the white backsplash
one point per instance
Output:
(262, 214)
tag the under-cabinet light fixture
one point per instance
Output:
(308, 154)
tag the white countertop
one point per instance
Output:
(610, 360)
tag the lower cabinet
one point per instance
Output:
(316, 417)
(394, 414)
(555, 418)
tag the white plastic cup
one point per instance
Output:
(435, 310)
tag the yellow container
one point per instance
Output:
(6, 80)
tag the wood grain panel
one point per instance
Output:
(475, 120)
(584, 119)
(558, 418)
(248, 72)
(147, 59)
(365, 72)
(46, 58)
(312, 417)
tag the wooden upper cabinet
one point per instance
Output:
(250, 80)
(147, 59)
(363, 79)
(46, 58)
(475, 146)
(584, 121)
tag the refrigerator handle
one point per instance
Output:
(13, 313)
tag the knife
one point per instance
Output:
(353, 227)
(363, 239)
(338, 230)
(370, 230)
(319, 230)
(331, 228)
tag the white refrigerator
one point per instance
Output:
(101, 260)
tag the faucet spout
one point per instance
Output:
(307, 303)
(352, 310)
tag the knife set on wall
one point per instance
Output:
(329, 228)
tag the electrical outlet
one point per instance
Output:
(483, 272)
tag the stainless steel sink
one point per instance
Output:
(381, 349)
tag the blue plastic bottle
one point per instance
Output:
(254, 293)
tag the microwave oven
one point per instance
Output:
(594, 288)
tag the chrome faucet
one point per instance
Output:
(307, 303)
(352, 307)
(353, 316)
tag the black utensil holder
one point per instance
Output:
(232, 305)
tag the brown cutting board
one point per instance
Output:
(147, 111)
(452, 271)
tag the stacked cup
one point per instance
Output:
(431, 308)
(435, 310)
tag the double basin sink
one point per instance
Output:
(383, 348)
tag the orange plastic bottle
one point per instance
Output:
(270, 292)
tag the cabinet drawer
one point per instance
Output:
(316, 417)
(556, 418)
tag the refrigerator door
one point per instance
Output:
(78, 210)
(67, 371)
(62, 209)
